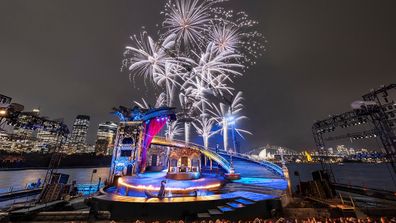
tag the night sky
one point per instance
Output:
(65, 57)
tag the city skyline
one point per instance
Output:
(105, 131)
(294, 92)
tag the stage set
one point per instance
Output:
(156, 177)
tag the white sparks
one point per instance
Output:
(202, 49)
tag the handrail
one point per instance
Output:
(210, 152)
(272, 167)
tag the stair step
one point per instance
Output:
(225, 208)
(235, 205)
(203, 215)
(214, 212)
(244, 201)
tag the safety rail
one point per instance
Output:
(211, 153)
(268, 165)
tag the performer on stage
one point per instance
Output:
(161, 192)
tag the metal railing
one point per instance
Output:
(268, 165)
(211, 153)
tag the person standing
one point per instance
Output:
(161, 192)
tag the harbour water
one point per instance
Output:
(18, 179)
(370, 175)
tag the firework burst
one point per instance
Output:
(225, 38)
(189, 20)
(147, 58)
(229, 115)
(237, 30)
(204, 126)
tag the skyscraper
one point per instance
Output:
(24, 127)
(78, 137)
(47, 140)
(105, 138)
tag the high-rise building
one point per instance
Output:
(105, 138)
(24, 127)
(47, 140)
(342, 150)
(330, 151)
(78, 137)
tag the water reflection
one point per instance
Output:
(370, 175)
(20, 178)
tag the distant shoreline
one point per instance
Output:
(43, 168)
(10, 162)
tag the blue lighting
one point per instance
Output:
(230, 119)
(278, 184)
(120, 115)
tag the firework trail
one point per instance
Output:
(226, 115)
(187, 105)
(204, 125)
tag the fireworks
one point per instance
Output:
(187, 113)
(204, 125)
(225, 38)
(229, 115)
(143, 104)
(189, 19)
(202, 48)
(174, 129)
(147, 58)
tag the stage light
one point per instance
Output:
(3, 112)
(230, 120)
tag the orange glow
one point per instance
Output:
(3, 112)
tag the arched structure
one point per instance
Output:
(208, 153)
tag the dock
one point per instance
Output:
(19, 193)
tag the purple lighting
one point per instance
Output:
(152, 128)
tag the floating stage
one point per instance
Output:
(151, 181)
(240, 199)
(154, 178)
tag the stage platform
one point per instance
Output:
(234, 205)
(152, 181)
(239, 199)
